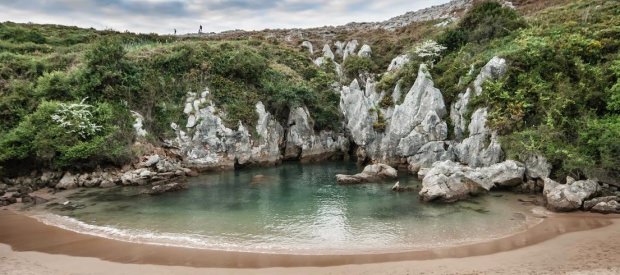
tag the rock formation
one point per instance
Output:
(208, 144)
(371, 173)
(569, 196)
(449, 181)
(304, 144)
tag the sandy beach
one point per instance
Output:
(561, 244)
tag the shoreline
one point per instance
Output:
(25, 233)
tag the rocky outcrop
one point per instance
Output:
(349, 49)
(308, 46)
(365, 51)
(494, 69)
(415, 130)
(537, 167)
(607, 207)
(138, 124)
(304, 144)
(208, 144)
(448, 181)
(570, 196)
(68, 181)
(356, 108)
(398, 62)
(371, 173)
(482, 147)
(327, 52)
(604, 202)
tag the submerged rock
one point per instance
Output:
(371, 173)
(164, 188)
(398, 188)
(570, 196)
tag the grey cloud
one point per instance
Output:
(162, 16)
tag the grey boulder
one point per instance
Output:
(570, 196)
(371, 173)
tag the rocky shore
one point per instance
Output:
(158, 172)
(413, 135)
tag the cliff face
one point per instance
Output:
(413, 134)
(207, 144)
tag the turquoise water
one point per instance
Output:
(291, 208)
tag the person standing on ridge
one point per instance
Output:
(200, 29)
(175, 31)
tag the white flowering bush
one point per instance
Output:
(429, 50)
(76, 118)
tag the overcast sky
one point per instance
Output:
(162, 16)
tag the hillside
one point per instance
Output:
(69, 97)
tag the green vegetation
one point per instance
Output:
(45, 67)
(355, 65)
(560, 95)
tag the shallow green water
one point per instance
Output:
(291, 208)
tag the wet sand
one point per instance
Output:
(593, 245)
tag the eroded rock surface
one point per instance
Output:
(371, 173)
(304, 144)
(449, 181)
(570, 196)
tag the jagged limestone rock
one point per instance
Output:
(340, 48)
(398, 62)
(210, 144)
(537, 167)
(349, 49)
(449, 181)
(304, 144)
(365, 51)
(327, 52)
(430, 153)
(494, 69)
(138, 124)
(482, 147)
(308, 45)
(359, 118)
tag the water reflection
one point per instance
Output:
(296, 207)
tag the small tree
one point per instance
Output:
(429, 51)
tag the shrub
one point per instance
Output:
(63, 135)
(54, 86)
(355, 65)
(490, 20)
